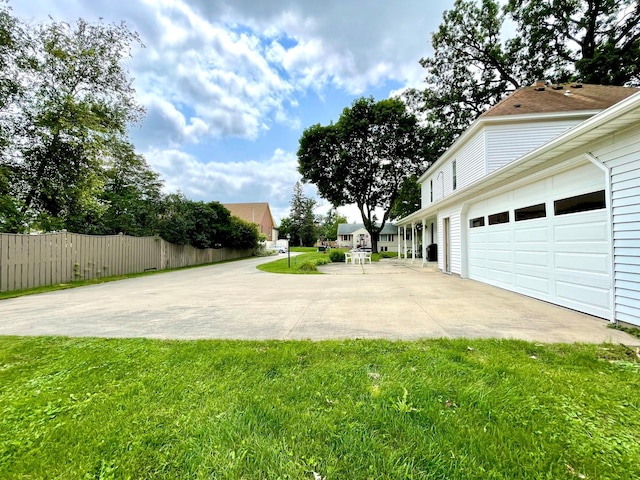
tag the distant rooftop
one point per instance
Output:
(349, 228)
(566, 97)
(249, 212)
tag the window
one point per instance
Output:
(431, 190)
(496, 218)
(529, 213)
(580, 203)
(476, 222)
(455, 177)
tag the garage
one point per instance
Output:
(548, 239)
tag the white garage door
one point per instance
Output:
(554, 245)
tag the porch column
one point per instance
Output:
(399, 243)
(424, 240)
(413, 242)
(405, 242)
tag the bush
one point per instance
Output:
(336, 256)
(308, 266)
(323, 260)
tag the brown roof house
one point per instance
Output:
(258, 213)
(541, 196)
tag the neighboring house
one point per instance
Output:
(541, 196)
(354, 235)
(258, 213)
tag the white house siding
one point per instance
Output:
(454, 237)
(471, 161)
(622, 156)
(470, 166)
(507, 142)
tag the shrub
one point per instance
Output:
(322, 260)
(308, 266)
(336, 256)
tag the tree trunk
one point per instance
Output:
(374, 242)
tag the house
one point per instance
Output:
(541, 196)
(258, 213)
(354, 235)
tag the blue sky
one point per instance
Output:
(229, 85)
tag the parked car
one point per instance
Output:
(278, 248)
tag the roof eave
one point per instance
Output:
(590, 130)
(482, 122)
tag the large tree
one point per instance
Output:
(409, 199)
(364, 157)
(131, 195)
(596, 40)
(475, 63)
(67, 104)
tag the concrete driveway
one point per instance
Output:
(389, 299)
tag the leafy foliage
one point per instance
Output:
(364, 157)
(301, 223)
(408, 200)
(599, 40)
(66, 102)
(328, 230)
(475, 64)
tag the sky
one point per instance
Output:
(230, 85)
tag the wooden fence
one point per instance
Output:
(28, 261)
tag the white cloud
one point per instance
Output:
(229, 182)
(219, 69)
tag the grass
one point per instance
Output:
(454, 409)
(628, 329)
(307, 262)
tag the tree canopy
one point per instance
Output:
(66, 106)
(475, 61)
(66, 161)
(364, 157)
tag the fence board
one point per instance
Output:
(28, 261)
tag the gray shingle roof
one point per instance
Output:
(349, 228)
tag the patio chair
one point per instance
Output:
(367, 256)
(347, 257)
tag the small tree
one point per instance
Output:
(302, 220)
(329, 227)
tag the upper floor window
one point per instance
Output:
(431, 190)
(454, 177)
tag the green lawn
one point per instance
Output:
(438, 409)
(302, 263)
(307, 262)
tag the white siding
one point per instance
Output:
(454, 237)
(470, 167)
(471, 161)
(505, 143)
(623, 158)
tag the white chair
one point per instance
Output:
(347, 257)
(367, 256)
